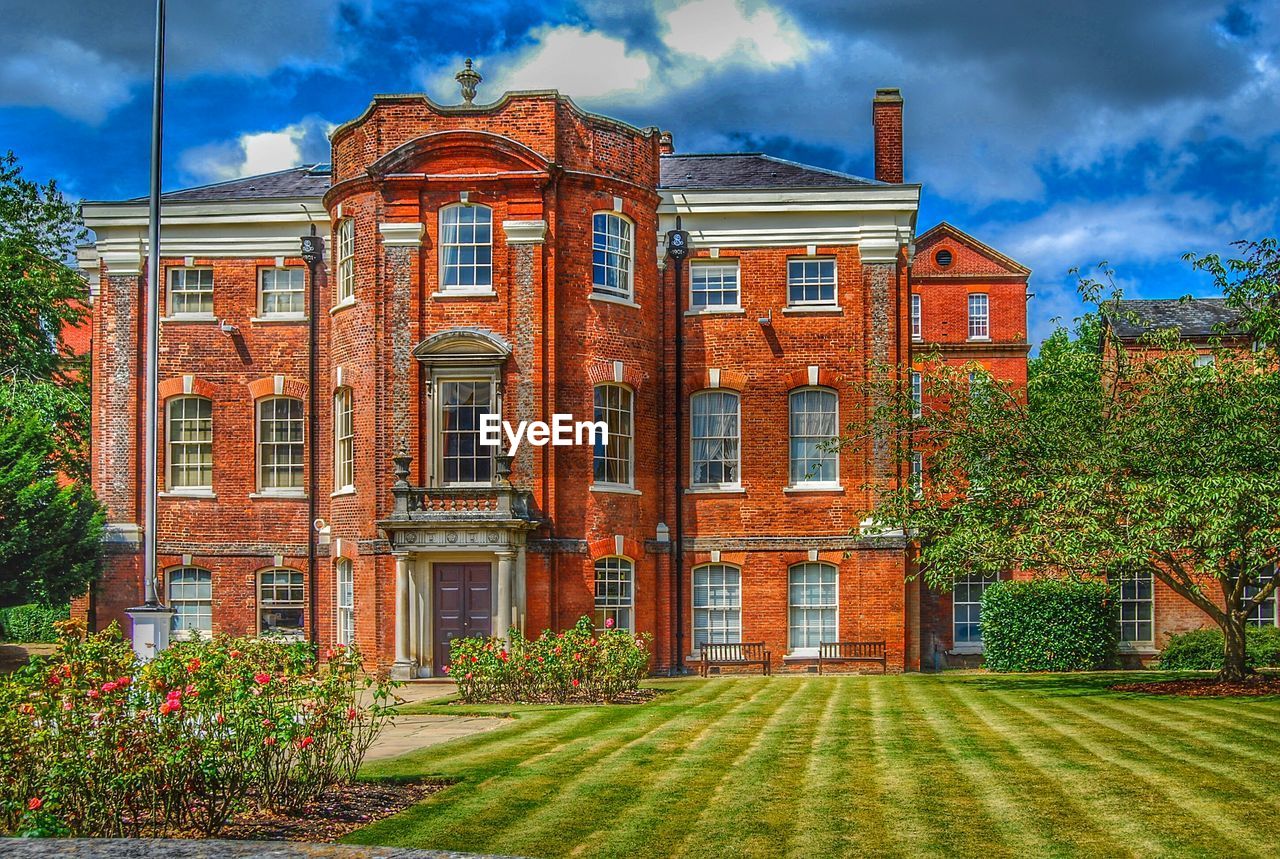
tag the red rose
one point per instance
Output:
(193, 666)
(262, 678)
(235, 653)
(575, 681)
(305, 741)
(34, 803)
(269, 741)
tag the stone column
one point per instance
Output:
(502, 623)
(522, 595)
(403, 667)
(415, 627)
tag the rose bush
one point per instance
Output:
(579, 664)
(94, 743)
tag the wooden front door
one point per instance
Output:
(463, 606)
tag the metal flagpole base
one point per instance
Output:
(151, 625)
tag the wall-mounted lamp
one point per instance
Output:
(227, 328)
(766, 320)
(465, 197)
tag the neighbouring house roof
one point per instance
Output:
(743, 170)
(1193, 318)
(748, 170)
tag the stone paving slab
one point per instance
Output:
(181, 848)
(409, 733)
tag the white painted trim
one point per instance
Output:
(717, 310)
(813, 310)
(278, 319)
(349, 301)
(187, 493)
(716, 489)
(399, 235)
(525, 232)
(195, 318)
(346, 490)
(615, 489)
(802, 488)
(124, 263)
(609, 299)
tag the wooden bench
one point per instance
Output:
(743, 653)
(836, 652)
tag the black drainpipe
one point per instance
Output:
(677, 250)
(313, 256)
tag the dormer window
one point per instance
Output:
(466, 249)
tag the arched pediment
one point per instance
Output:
(463, 346)
(482, 147)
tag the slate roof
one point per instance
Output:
(743, 170)
(1195, 318)
(308, 180)
(730, 170)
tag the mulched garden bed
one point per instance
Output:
(339, 811)
(1207, 687)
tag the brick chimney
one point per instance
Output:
(886, 124)
(666, 143)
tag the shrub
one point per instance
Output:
(1048, 625)
(31, 623)
(579, 664)
(92, 743)
(1202, 649)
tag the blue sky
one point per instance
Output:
(1063, 134)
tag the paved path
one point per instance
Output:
(175, 848)
(409, 733)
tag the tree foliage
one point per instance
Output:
(50, 528)
(1107, 464)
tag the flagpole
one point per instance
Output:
(151, 620)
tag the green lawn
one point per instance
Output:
(963, 764)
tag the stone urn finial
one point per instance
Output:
(400, 467)
(468, 79)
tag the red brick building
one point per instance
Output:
(321, 465)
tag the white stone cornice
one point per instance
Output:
(525, 232)
(122, 263)
(401, 235)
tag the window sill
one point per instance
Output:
(979, 340)
(615, 489)
(346, 490)
(726, 489)
(187, 493)
(716, 311)
(278, 496)
(968, 650)
(613, 299)
(277, 319)
(801, 654)
(194, 318)
(832, 309)
(916, 338)
(1137, 648)
(459, 294)
(342, 305)
(829, 488)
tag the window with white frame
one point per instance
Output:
(979, 317)
(714, 285)
(811, 282)
(813, 424)
(1137, 604)
(611, 255)
(917, 394)
(466, 248)
(191, 598)
(280, 601)
(613, 458)
(917, 475)
(717, 605)
(916, 328)
(190, 292)
(346, 259)
(463, 459)
(346, 619)
(1203, 361)
(281, 292)
(344, 442)
(615, 579)
(280, 445)
(966, 610)
(812, 598)
(714, 439)
(190, 443)
(1264, 613)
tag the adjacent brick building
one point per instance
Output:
(509, 258)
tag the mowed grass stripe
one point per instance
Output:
(755, 804)
(1167, 806)
(611, 779)
(1024, 756)
(843, 808)
(658, 822)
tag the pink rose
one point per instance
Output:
(34, 803)
(608, 624)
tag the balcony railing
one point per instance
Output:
(499, 502)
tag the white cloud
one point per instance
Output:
(66, 76)
(257, 152)
(585, 64)
(720, 30)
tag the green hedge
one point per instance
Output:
(31, 623)
(1048, 625)
(1201, 649)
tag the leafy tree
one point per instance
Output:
(50, 529)
(1106, 465)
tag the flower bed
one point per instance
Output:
(94, 743)
(580, 664)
